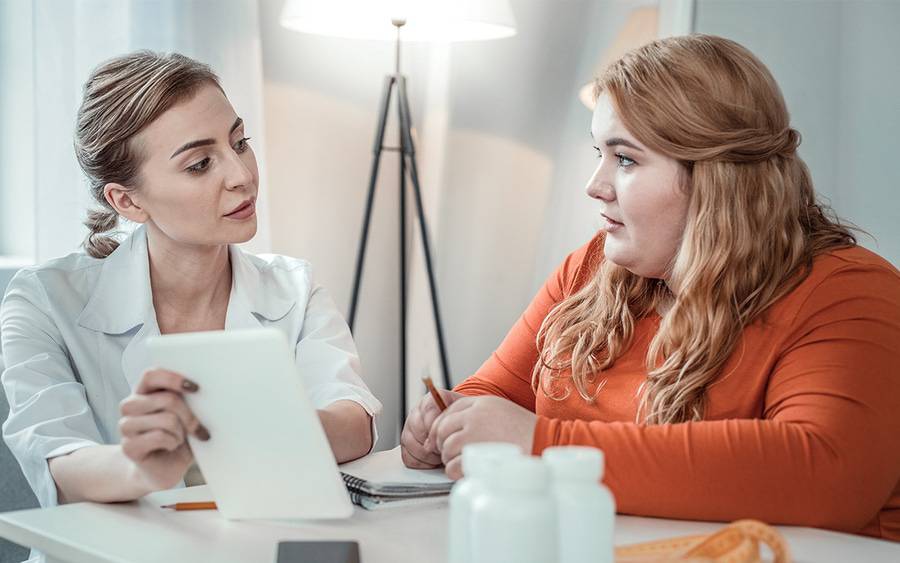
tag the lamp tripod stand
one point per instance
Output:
(407, 165)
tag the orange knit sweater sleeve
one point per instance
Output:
(825, 452)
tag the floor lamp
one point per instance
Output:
(416, 20)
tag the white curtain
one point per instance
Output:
(65, 41)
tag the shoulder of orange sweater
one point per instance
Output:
(852, 274)
(856, 256)
(579, 266)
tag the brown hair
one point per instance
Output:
(121, 97)
(710, 104)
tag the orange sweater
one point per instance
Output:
(803, 430)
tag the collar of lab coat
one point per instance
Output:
(122, 299)
(122, 302)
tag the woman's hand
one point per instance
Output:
(415, 450)
(480, 419)
(154, 427)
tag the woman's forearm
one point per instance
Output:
(97, 473)
(105, 474)
(758, 468)
(349, 429)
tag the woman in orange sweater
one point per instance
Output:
(723, 339)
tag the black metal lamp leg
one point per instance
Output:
(403, 291)
(409, 152)
(373, 180)
(407, 165)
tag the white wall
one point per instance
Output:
(868, 177)
(836, 64)
(321, 101)
(509, 105)
(17, 140)
(572, 218)
(505, 154)
(489, 117)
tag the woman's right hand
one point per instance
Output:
(416, 450)
(154, 427)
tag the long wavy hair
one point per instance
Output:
(754, 226)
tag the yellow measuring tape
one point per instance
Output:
(736, 543)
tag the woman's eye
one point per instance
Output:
(624, 161)
(599, 154)
(200, 167)
(241, 145)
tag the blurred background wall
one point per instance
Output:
(506, 153)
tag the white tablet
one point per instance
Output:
(268, 456)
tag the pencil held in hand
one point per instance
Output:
(434, 393)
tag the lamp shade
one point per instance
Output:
(426, 20)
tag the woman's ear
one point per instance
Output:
(119, 198)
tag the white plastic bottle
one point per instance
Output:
(478, 460)
(586, 509)
(514, 519)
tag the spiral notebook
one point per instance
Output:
(380, 480)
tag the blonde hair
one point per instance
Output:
(753, 227)
(121, 97)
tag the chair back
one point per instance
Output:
(15, 492)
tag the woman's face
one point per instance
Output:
(198, 181)
(644, 206)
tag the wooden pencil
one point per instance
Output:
(191, 506)
(434, 393)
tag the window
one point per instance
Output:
(17, 142)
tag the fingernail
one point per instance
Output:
(189, 385)
(202, 433)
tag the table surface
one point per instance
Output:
(143, 532)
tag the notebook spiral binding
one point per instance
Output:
(354, 483)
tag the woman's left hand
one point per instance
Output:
(480, 419)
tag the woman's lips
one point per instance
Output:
(611, 224)
(244, 211)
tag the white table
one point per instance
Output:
(142, 532)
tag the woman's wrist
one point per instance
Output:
(136, 480)
(348, 428)
(100, 473)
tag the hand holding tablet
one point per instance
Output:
(269, 457)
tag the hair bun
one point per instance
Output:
(756, 145)
(788, 142)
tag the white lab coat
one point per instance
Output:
(74, 342)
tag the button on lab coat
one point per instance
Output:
(74, 341)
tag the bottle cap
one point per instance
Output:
(579, 463)
(479, 459)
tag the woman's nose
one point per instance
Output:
(239, 174)
(600, 188)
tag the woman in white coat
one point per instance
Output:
(162, 147)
